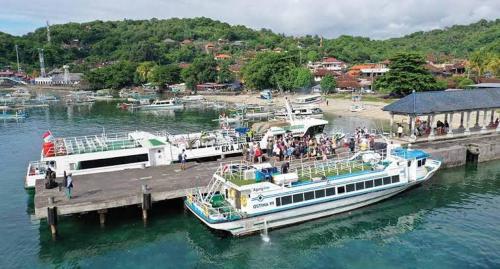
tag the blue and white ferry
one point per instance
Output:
(244, 198)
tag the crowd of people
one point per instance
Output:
(287, 147)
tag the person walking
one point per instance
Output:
(69, 185)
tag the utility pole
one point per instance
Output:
(48, 32)
(17, 56)
(42, 63)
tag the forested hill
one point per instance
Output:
(88, 44)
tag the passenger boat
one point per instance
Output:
(308, 99)
(244, 198)
(302, 112)
(163, 104)
(113, 152)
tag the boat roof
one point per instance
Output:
(105, 142)
(409, 154)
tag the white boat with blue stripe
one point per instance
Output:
(244, 198)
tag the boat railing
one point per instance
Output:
(88, 144)
(345, 162)
(227, 212)
(37, 168)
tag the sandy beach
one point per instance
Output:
(338, 106)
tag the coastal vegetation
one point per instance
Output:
(161, 52)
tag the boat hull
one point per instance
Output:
(292, 216)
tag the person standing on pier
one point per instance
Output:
(183, 159)
(69, 186)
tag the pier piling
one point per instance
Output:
(102, 217)
(52, 216)
(146, 202)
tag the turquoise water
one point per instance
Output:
(452, 221)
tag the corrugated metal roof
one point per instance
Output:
(446, 101)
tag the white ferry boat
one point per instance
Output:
(308, 99)
(113, 152)
(163, 104)
(244, 198)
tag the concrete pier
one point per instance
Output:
(453, 152)
(99, 192)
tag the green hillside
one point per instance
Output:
(87, 44)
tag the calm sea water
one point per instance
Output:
(452, 221)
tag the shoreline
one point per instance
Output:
(336, 106)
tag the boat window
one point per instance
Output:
(278, 201)
(309, 195)
(387, 180)
(340, 189)
(286, 200)
(330, 191)
(298, 197)
(349, 187)
(360, 186)
(369, 184)
(419, 163)
(409, 163)
(423, 161)
(378, 182)
(395, 178)
(320, 193)
(113, 161)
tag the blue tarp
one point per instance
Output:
(242, 130)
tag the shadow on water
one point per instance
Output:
(82, 238)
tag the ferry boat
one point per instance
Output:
(113, 152)
(163, 104)
(308, 99)
(244, 198)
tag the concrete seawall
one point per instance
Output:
(455, 152)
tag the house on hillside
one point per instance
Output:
(210, 48)
(319, 74)
(328, 63)
(222, 56)
(346, 82)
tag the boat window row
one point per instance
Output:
(421, 162)
(311, 195)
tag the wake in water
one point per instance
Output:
(264, 234)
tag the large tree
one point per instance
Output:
(270, 70)
(163, 75)
(328, 83)
(143, 70)
(203, 69)
(407, 73)
(114, 76)
(303, 78)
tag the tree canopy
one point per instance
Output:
(328, 83)
(407, 73)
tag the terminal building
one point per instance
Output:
(460, 112)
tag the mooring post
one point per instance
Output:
(146, 202)
(52, 217)
(102, 216)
